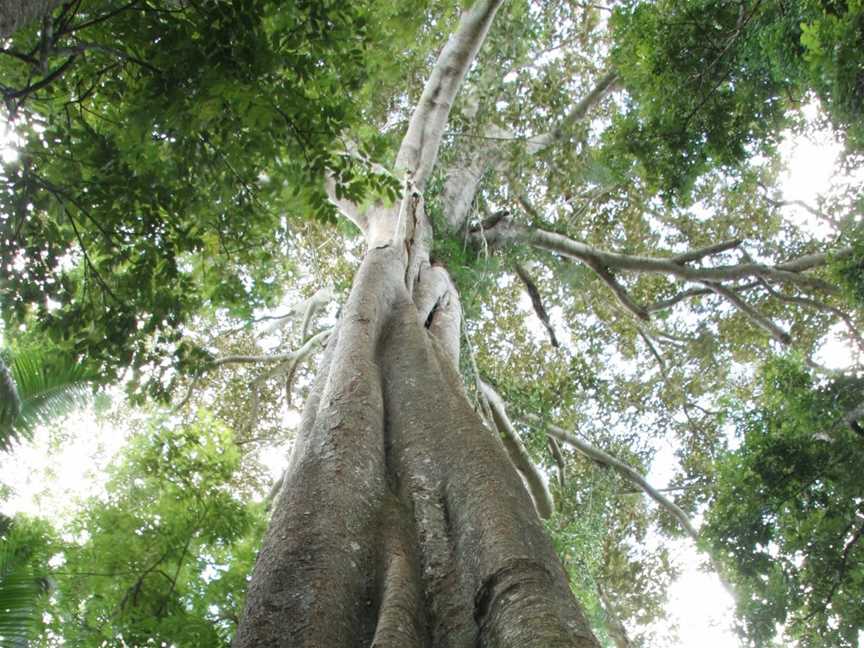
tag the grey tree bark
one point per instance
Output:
(401, 521)
(15, 14)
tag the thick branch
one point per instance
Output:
(809, 261)
(620, 467)
(518, 454)
(419, 148)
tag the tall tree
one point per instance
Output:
(400, 519)
(651, 246)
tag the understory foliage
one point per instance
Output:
(165, 231)
(164, 554)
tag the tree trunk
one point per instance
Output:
(15, 14)
(401, 522)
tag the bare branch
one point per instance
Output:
(558, 456)
(652, 348)
(799, 203)
(536, 301)
(814, 303)
(486, 409)
(620, 467)
(599, 269)
(518, 454)
(752, 314)
(617, 289)
(463, 178)
(284, 358)
(809, 261)
(289, 360)
(691, 292)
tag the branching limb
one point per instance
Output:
(799, 203)
(814, 303)
(518, 454)
(787, 272)
(283, 358)
(287, 360)
(463, 178)
(599, 268)
(691, 292)
(308, 307)
(620, 467)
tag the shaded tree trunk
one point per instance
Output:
(15, 14)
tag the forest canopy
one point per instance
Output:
(179, 217)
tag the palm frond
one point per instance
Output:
(35, 390)
(20, 594)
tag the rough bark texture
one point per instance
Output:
(15, 14)
(401, 521)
